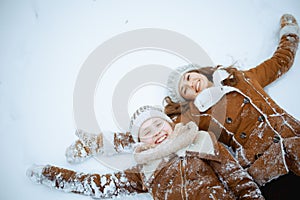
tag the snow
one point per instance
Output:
(45, 43)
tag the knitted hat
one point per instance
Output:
(174, 79)
(141, 115)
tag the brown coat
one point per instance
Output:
(192, 175)
(264, 137)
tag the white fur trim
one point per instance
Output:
(219, 75)
(202, 144)
(149, 168)
(289, 29)
(108, 143)
(210, 96)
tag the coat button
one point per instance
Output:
(276, 139)
(258, 155)
(261, 118)
(246, 100)
(228, 120)
(243, 135)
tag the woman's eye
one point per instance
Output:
(146, 133)
(188, 77)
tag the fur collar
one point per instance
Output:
(210, 96)
(185, 139)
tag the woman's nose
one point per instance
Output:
(190, 84)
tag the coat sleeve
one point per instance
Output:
(95, 185)
(123, 142)
(235, 177)
(279, 63)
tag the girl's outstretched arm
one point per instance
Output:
(95, 185)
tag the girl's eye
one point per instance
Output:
(158, 125)
(188, 77)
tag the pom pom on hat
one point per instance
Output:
(174, 79)
(141, 115)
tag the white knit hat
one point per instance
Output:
(141, 115)
(174, 79)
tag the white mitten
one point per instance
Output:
(180, 128)
(91, 141)
(88, 145)
(288, 25)
(34, 173)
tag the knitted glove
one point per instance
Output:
(288, 25)
(34, 173)
(89, 144)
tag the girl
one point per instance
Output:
(180, 164)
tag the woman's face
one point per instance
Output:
(154, 131)
(191, 84)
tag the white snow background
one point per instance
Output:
(44, 44)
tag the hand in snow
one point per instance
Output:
(287, 19)
(288, 25)
(34, 173)
(88, 145)
(92, 141)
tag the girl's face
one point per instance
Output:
(154, 131)
(191, 84)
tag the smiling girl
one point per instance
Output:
(180, 164)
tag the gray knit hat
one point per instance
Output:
(174, 78)
(141, 115)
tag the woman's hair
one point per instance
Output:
(173, 109)
(206, 71)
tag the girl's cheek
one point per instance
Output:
(147, 140)
(168, 129)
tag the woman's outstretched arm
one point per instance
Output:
(283, 58)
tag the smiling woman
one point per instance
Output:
(236, 106)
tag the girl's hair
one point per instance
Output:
(173, 109)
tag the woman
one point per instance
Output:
(180, 164)
(233, 104)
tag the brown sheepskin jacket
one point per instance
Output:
(264, 137)
(206, 171)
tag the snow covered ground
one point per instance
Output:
(45, 43)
